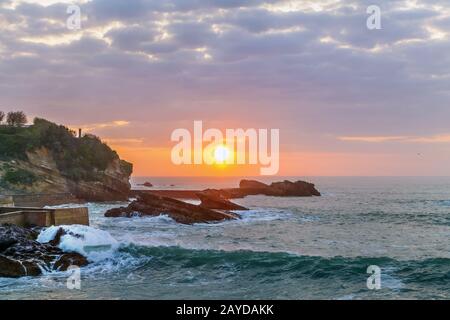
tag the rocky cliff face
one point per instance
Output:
(111, 184)
(47, 159)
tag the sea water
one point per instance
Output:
(282, 248)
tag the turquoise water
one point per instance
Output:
(283, 248)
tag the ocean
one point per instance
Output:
(283, 248)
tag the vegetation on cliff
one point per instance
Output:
(13, 176)
(77, 158)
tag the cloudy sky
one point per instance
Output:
(347, 100)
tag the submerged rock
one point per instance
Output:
(182, 212)
(21, 255)
(214, 199)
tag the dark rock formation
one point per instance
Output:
(11, 268)
(5, 243)
(152, 205)
(70, 259)
(247, 188)
(214, 199)
(146, 184)
(295, 189)
(59, 234)
(113, 184)
(277, 189)
(21, 255)
(252, 184)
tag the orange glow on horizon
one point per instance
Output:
(157, 162)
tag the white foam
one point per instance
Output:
(92, 243)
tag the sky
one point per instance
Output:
(347, 100)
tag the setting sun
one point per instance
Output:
(221, 154)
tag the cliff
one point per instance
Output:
(48, 158)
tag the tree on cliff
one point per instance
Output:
(16, 119)
(2, 116)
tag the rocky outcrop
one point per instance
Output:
(111, 184)
(295, 189)
(21, 255)
(252, 184)
(147, 184)
(182, 212)
(277, 189)
(214, 199)
(215, 204)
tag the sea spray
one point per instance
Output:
(93, 243)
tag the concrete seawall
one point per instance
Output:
(41, 200)
(6, 201)
(26, 217)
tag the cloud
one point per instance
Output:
(441, 138)
(433, 139)
(96, 126)
(374, 139)
(305, 67)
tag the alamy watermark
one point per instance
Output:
(73, 22)
(374, 20)
(74, 280)
(235, 146)
(374, 280)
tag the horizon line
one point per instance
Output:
(286, 176)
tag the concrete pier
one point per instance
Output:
(26, 217)
(42, 199)
(6, 201)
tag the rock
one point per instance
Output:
(214, 199)
(60, 233)
(295, 189)
(182, 212)
(5, 243)
(252, 184)
(11, 268)
(57, 239)
(70, 259)
(112, 185)
(277, 189)
(28, 257)
(147, 184)
(122, 212)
